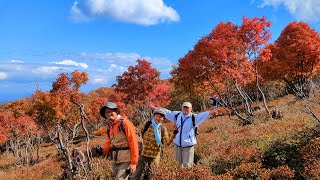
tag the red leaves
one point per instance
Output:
(254, 32)
(138, 82)
(92, 110)
(68, 86)
(20, 126)
(295, 53)
(160, 96)
(62, 84)
(227, 52)
(56, 105)
(78, 79)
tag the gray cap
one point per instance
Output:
(187, 104)
(109, 105)
(161, 111)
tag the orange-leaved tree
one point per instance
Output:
(295, 58)
(138, 86)
(160, 95)
(61, 110)
(190, 76)
(224, 59)
(138, 81)
(20, 135)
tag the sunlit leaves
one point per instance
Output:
(141, 83)
(296, 53)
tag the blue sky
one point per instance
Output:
(40, 39)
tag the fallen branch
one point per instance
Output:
(309, 111)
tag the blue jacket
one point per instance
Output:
(186, 135)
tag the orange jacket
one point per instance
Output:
(101, 131)
(118, 139)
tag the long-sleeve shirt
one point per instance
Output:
(117, 139)
(186, 135)
(101, 131)
(150, 147)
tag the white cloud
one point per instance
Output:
(16, 61)
(72, 63)
(46, 70)
(3, 75)
(124, 59)
(304, 10)
(110, 56)
(99, 80)
(116, 68)
(77, 15)
(143, 12)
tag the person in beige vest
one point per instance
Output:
(123, 143)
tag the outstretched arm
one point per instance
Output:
(203, 116)
(213, 112)
(169, 114)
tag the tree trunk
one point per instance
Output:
(261, 92)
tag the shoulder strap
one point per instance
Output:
(121, 127)
(146, 127)
(176, 117)
(194, 124)
(108, 130)
(162, 131)
(193, 120)
(192, 117)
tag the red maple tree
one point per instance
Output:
(295, 58)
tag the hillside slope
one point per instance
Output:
(286, 148)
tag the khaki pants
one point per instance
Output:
(119, 171)
(144, 166)
(184, 156)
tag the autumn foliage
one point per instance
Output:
(139, 86)
(138, 81)
(223, 63)
(295, 58)
(224, 54)
(231, 61)
(11, 126)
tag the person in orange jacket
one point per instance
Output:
(121, 140)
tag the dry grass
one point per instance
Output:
(48, 167)
(220, 140)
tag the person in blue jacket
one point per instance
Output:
(186, 124)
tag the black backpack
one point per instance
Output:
(122, 129)
(146, 127)
(193, 123)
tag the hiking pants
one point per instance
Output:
(184, 155)
(144, 166)
(119, 171)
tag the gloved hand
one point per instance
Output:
(99, 150)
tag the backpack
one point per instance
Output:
(193, 123)
(122, 129)
(146, 127)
